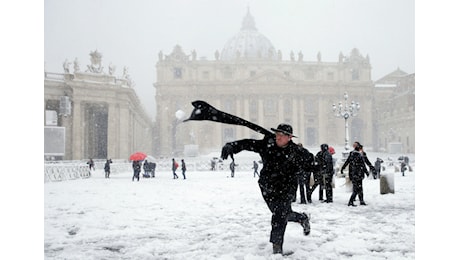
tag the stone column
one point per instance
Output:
(113, 132)
(78, 131)
(124, 130)
(67, 123)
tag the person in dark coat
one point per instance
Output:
(91, 164)
(378, 167)
(183, 167)
(303, 178)
(136, 170)
(232, 168)
(356, 172)
(107, 168)
(147, 170)
(255, 166)
(327, 170)
(282, 159)
(317, 180)
(403, 168)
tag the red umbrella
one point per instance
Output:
(331, 150)
(137, 156)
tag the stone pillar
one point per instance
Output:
(321, 123)
(67, 123)
(301, 119)
(125, 132)
(113, 132)
(78, 131)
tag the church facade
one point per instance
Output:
(249, 78)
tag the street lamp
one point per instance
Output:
(345, 111)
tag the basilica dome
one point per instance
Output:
(248, 44)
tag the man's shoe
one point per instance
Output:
(362, 203)
(351, 204)
(277, 249)
(306, 224)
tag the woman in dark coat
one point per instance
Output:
(356, 170)
(327, 170)
(136, 170)
(282, 159)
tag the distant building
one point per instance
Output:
(250, 78)
(395, 111)
(99, 114)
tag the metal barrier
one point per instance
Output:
(72, 170)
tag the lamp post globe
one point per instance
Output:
(346, 111)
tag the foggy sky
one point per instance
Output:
(131, 33)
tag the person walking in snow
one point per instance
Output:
(107, 168)
(232, 168)
(184, 168)
(282, 159)
(356, 172)
(403, 167)
(136, 170)
(378, 167)
(174, 167)
(146, 167)
(255, 166)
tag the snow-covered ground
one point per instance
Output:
(212, 216)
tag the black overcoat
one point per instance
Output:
(357, 166)
(280, 165)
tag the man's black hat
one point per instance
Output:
(284, 128)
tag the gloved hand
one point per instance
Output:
(341, 171)
(226, 151)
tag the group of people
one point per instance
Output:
(321, 175)
(286, 166)
(92, 167)
(175, 166)
(149, 169)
